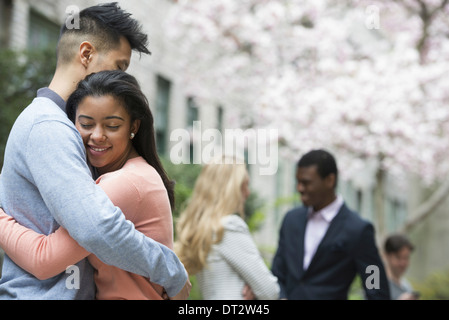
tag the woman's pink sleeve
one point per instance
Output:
(42, 256)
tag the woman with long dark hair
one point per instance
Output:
(126, 90)
(116, 125)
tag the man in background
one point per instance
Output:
(323, 244)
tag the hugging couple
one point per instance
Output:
(108, 215)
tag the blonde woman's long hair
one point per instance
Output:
(217, 193)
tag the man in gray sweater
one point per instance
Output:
(46, 183)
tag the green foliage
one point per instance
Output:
(21, 75)
(356, 289)
(435, 286)
(195, 293)
(254, 213)
(287, 201)
(184, 176)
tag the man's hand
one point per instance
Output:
(184, 293)
(247, 293)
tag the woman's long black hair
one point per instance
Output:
(125, 87)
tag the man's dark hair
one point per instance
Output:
(324, 161)
(103, 25)
(395, 242)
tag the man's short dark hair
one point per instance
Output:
(324, 161)
(395, 242)
(103, 25)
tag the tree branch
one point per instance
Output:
(427, 208)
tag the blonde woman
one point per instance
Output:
(213, 240)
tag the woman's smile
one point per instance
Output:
(97, 151)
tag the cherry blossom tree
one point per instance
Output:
(365, 79)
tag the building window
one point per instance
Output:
(359, 201)
(192, 112)
(5, 22)
(192, 116)
(43, 33)
(220, 119)
(162, 112)
(396, 213)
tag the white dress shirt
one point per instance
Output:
(317, 225)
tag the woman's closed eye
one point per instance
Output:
(86, 126)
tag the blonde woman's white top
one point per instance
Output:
(234, 262)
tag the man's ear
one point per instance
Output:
(86, 52)
(330, 181)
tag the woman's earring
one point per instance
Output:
(133, 135)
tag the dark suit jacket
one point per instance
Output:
(348, 248)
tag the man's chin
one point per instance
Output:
(305, 202)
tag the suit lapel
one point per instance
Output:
(330, 235)
(301, 235)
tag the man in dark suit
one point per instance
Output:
(323, 245)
